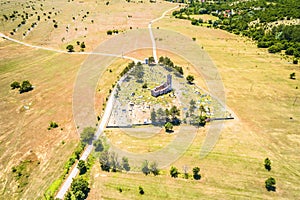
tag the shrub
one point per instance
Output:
(15, 85)
(26, 87)
(174, 172)
(109, 32)
(270, 184)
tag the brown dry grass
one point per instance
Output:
(53, 76)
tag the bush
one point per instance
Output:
(87, 135)
(109, 32)
(26, 87)
(274, 49)
(141, 190)
(270, 184)
(293, 76)
(174, 172)
(52, 125)
(15, 85)
(145, 167)
(70, 48)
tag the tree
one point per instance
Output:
(145, 167)
(174, 172)
(174, 112)
(87, 135)
(82, 167)
(109, 32)
(268, 164)
(82, 45)
(196, 174)
(80, 188)
(161, 60)
(125, 164)
(161, 116)
(114, 162)
(168, 126)
(154, 169)
(104, 161)
(139, 72)
(68, 196)
(293, 76)
(15, 85)
(153, 116)
(98, 145)
(70, 48)
(151, 60)
(190, 79)
(192, 106)
(141, 190)
(26, 87)
(270, 184)
(52, 125)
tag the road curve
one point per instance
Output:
(65, 52)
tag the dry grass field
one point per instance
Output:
(260, 93)
(23, 132)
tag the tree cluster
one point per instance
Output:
(175, 173)
(87, 135)
(79, 189)
(109, 161)
(166, 61)
(151, 168)
(26, 86)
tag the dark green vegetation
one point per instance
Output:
(258, 20)
(22, 172)
(26, 86)
(52, 125)
(87, 135)
(56, 184)
(169, 65)
(268, 164)
(110, 162)
(270, 184)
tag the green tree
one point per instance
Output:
(125, 164)
(168, 126)
(104, 161)
(154, 168)
(87, 135)
(98, 145)
(268, 164)
(141, 190)
(26, 87)
(15, 85)
(153, 116)
(82, 167)
(114, 162)
(109, 32)
(293, 76)
(80, 188)
(174, 112)
(174, 172)
(161, 116)
(190, 79)
(68, 196)
(196, 174)
(161, 60)
(82, 45)
(70, 48)
(192, 106)
(145, 167)
(151, 60)
(270, 184)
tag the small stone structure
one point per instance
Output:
(164, 88)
